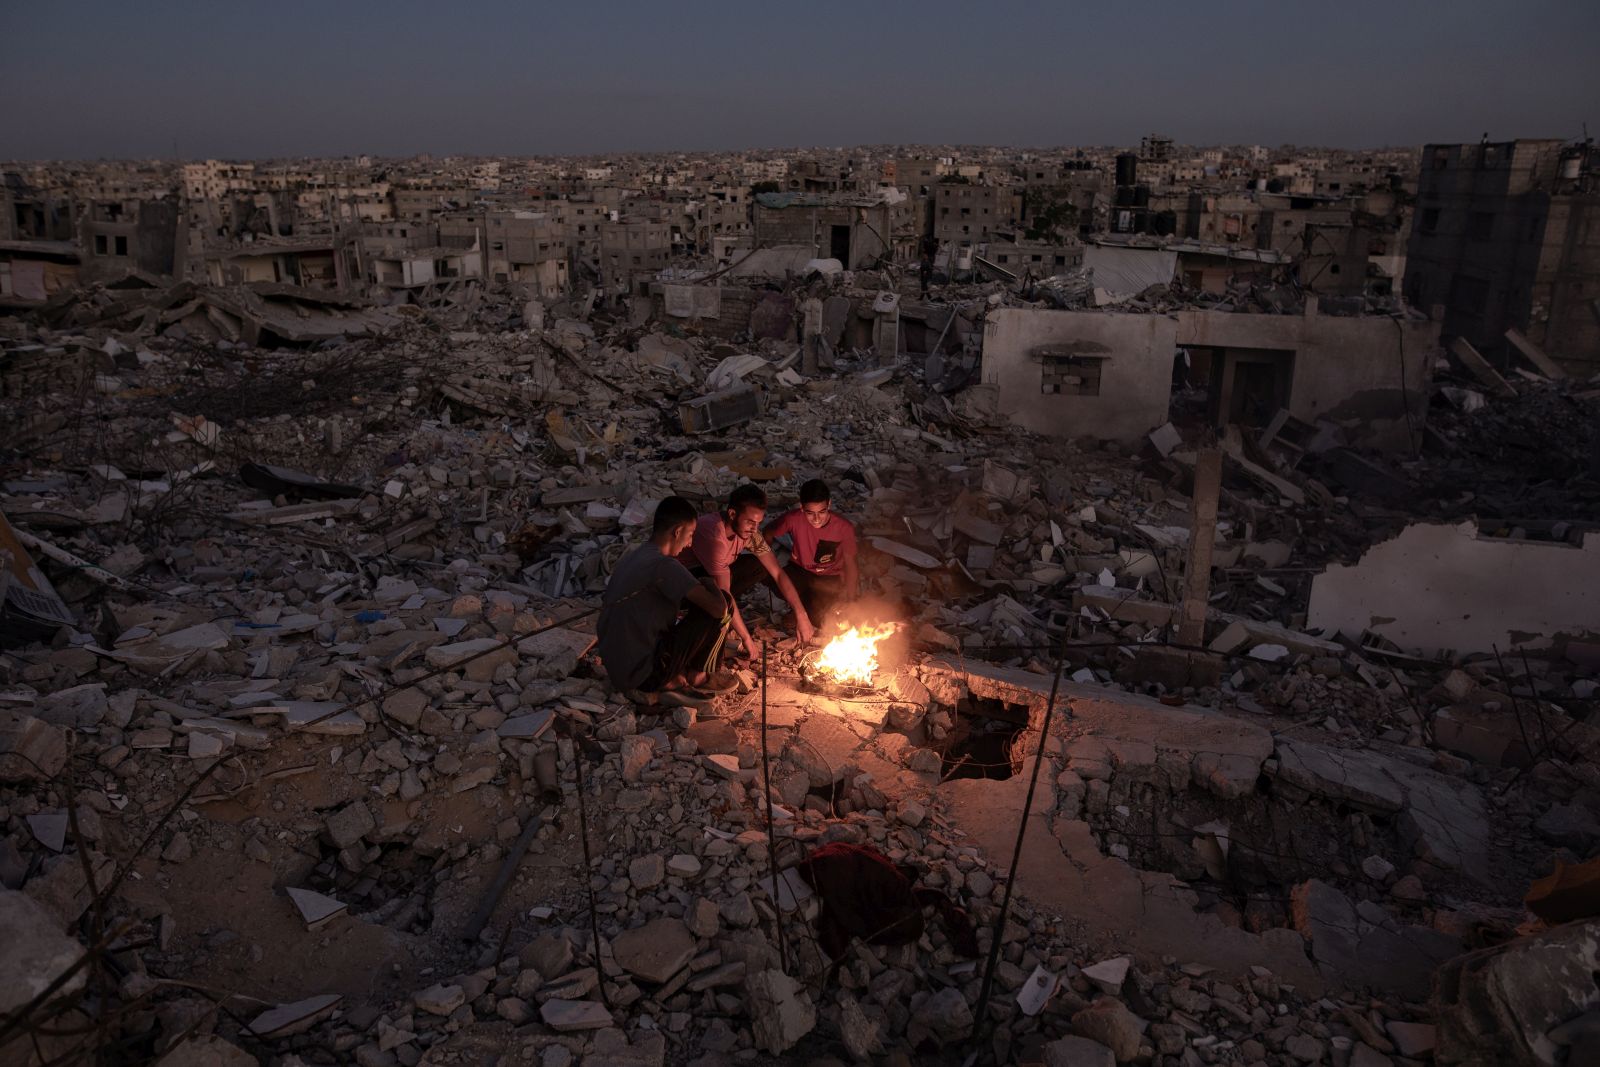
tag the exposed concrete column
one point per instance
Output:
(886, 328)
(811, 339)
(1197, 575)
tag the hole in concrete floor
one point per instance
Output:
(825, 799)
(981, 741)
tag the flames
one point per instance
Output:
(851, 658)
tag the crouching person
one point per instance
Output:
(661, 629)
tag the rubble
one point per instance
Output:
(40, 958)
(345, 676)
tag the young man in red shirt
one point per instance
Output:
(728, 548)
(822, 565)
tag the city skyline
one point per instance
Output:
(179, 80)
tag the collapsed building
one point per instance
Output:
(1234, 696)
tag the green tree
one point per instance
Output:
(1052, 216)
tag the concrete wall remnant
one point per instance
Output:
(1134, 379)
(1438, 587)
(1369, 375)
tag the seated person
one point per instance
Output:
(660, 629)
(823, 564)
(729, 549)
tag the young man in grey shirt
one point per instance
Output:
(660, 629)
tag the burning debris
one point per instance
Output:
(850, 658)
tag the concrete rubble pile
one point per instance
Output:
(1482, 450)
(330, 672)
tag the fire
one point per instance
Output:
(852, 657)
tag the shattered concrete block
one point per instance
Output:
(655, 951)
(1228, 775)
(286, 1020)
(1109, 974)
(647, 872)
(61, 888)
(439, 999)
(703, 918)
(556, 652)
(566, 1016)
(1491, 738)
(1412, 1040)
(80, 707)
(1353, 952)
(31, 750)
(1110, 1023)
(350, 824)
(1499, 1005)
(780, 1009)
(316, 909)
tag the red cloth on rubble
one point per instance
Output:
(865, 895)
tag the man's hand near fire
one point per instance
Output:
(804, 630)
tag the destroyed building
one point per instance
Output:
(1237, 709)
(1504, 239)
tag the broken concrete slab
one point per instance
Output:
(914, 556)
(441, 998)
(37, 952)
(655, 951)
(568, 1016)
(1534, 354)
(1143, 913)
(557, 651)
(527, 727)
(461, 651)
(1354, 953)
(31, 750)
(1493, 738)
(1443, 819)
(350, 824)
(1498, 1005)
(49, 828)
(781, 1011)
(1123, 605)
(1462, 349)
(315, 908)
(297, 1017)
(1109, 974)
(1355, 775)
(326, 717)
(1242, 634)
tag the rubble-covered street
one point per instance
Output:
(312, 761)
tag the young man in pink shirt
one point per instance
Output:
(822, 565)
(728, 548)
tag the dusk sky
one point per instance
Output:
(238, 79)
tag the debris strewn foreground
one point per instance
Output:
(329, 673)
